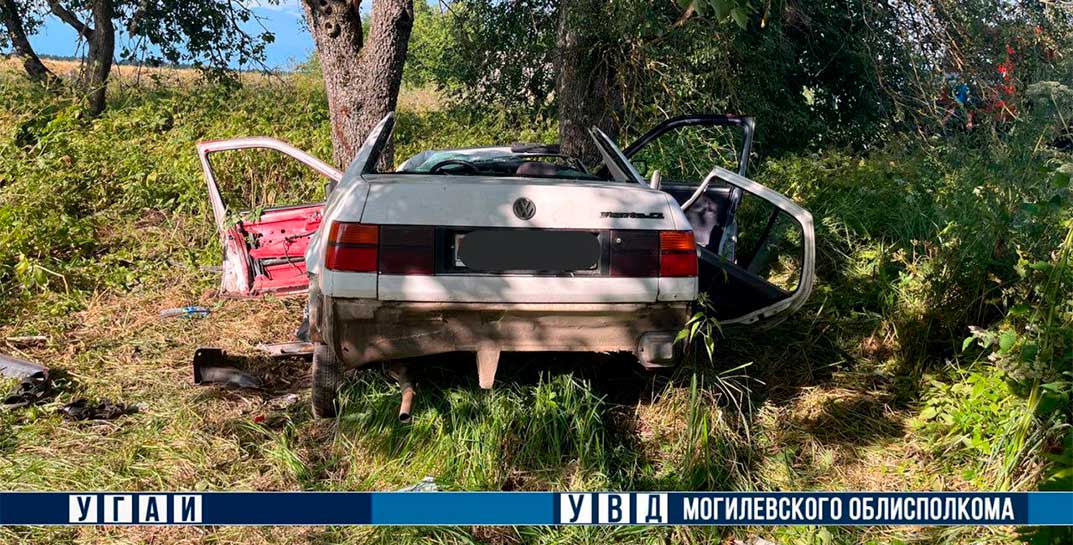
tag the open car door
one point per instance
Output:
(264, 244)
(756, 247)
(772, 270)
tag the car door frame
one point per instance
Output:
(738, 184)
(206, 147)
(236, 282)
(746, 123)
(748, 128)
(803, 217)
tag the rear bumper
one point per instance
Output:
(506, 289)
(361, 331)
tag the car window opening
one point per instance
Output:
(498, 162)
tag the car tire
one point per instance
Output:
(327, 379)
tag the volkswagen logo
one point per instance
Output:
(524, 208)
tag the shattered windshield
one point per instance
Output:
(532, 162)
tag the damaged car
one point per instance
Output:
(519, 248)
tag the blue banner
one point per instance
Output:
(537, 508)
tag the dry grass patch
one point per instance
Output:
(128, 74)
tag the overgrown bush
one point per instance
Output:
(958, 253)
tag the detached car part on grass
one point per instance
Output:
(516, 248)
(34, 382)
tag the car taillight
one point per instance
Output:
(352, 247)
(407, 250)
(649, 254)
(677, 254)
(388, 249)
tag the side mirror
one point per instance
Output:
(654, 182)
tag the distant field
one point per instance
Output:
(412, 99)
(123, 72)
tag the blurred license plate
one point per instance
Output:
(525, 250)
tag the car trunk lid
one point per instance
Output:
(457, 201)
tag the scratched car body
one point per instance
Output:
(516, 248)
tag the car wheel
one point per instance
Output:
(327, 379)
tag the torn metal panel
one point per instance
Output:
(19, 368)
(105, 409)
(211, 366)
(34, 383)
(288, 350)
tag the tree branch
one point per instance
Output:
(689, 12)
(12, 19)
(66, 16)
(135, 20)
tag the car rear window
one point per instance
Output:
(499, 162)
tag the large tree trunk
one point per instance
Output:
(362, 76)
(12, 19)
(100, 54)
(588, 85)
(101, 39)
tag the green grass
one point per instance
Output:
(870, 386)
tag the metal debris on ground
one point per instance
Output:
(185, 312)
(428, 484)
(287, 350)
(282, 402)
(31, 389)
(83, 409)
(210, 366)
(753, 541)
(22, 341)
(12, 367)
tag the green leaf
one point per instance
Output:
(721, 7)
(965, 344)
(1062, 178)
(1019, 309)
(740, 17)
(1006, 340)
(1054, 386)
(681, 335)
(1029, 351)
(1050, 403)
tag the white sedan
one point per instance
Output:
(517, 248)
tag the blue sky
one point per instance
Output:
(293, 42)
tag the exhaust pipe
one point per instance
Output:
(401, 374)
(407, 401)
